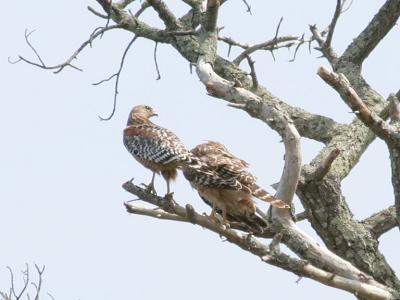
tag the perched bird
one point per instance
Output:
(223, 182)
(155, 147)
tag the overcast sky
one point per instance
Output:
(61, 169)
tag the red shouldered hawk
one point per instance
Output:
(224, 182)
(155, 147)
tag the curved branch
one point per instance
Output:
(117, 76)
(290, 175)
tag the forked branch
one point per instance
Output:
(24, 292)
(67, 63)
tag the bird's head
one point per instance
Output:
(141, 113)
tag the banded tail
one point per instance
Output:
(263, 195)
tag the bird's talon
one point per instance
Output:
(214, 218)
(149, 188)
(169, 196)
(226, 224)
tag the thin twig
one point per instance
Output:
(247, 6)
(117, 75)
(252, 72)
(277, 28)
(268, 45)
(14, 295)
(39, 285)
(58, 68)
(336, 15)
(348, 6)
(143, 7)
(155, 61)
(232, 42)
(301, 42)
(96, 13)
(27, 34)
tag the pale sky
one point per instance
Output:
(62, 169)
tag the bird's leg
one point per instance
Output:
(169, 194)
(150, 187)
(170, 202)
(224, 220)
(213, 214)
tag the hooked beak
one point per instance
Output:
(154, 114)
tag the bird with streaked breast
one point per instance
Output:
(155, 147)
(224, 183)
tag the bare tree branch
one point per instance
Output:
(381, 222)
(375, 31)
(23, 292)
(96, 13)
(252, 72)
(117, 76)
(331, 28)
(211, 15)
(250, 244)
(191, 3)
(164, 13)
(270, 45)
(232, 42)
(68, 63)
(327, 52)
(155, 61)
(340, 83)
(143, 7)
(248, 7)
(123, 3)
(154, 212)
(291, 172)
(320, 170)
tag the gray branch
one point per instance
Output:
(164, 13)
(381, 222)
(270, 254)
(339, 82)
(376, 30)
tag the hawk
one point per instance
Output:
(224, 183)
(155, 147)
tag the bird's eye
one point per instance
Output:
(147, 107)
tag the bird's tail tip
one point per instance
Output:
(263, 195)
